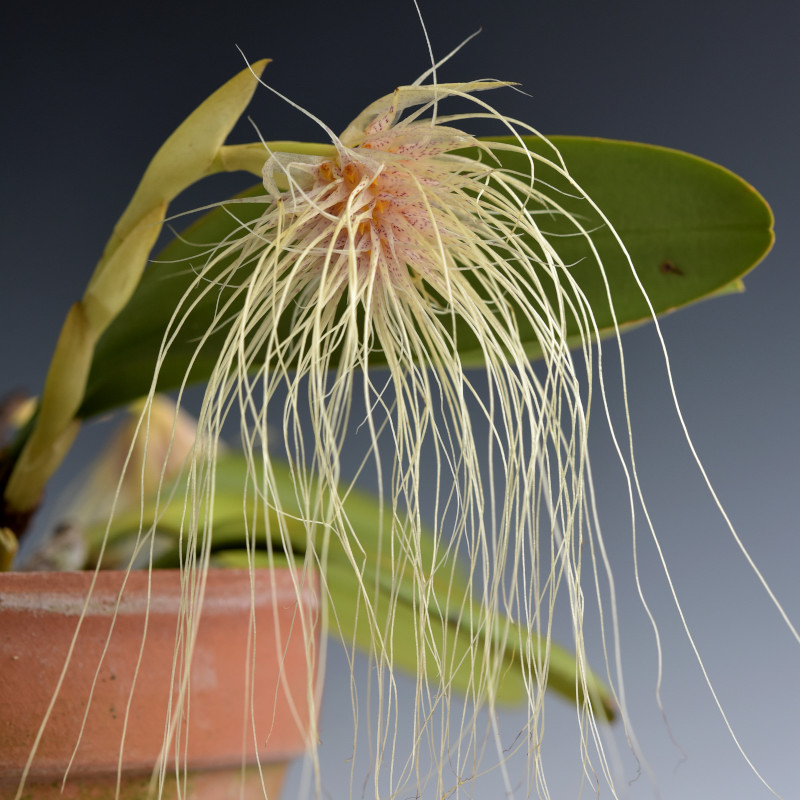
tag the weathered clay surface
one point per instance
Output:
(248, 696)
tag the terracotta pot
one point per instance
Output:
(220, 741)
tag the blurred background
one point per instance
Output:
(90, 90)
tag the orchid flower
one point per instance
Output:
(369, 270)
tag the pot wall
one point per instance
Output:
(39, 613)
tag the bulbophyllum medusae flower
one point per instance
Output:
(369, 273)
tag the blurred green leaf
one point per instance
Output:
(372, 586)
(193, 150)
(692, 228)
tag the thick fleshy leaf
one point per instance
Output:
(692, 229)
(194, 149)
(371, 587)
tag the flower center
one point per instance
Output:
(389, 220)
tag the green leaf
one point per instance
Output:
(692, 229)
(372, 589)
(193, 150)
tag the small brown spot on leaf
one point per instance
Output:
(668, 268)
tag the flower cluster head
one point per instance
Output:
(392, 208)
(370, 273)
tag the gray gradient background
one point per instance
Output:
(91, 90)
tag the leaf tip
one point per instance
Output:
(257, 67)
